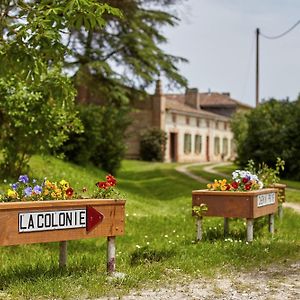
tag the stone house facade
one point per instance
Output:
(197, 125)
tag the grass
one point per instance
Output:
(158, 246)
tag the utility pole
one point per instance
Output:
(257, 68)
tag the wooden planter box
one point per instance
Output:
(249, 205)
(281, 196)
(62, 220)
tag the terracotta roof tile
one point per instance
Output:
(176, 102)
(217, 99)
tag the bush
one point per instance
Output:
(34, 117)
(153, 145)
(102, 142)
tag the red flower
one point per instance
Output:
(102, 185)
(69, 192)
(235, 185)
(111, 180)
(248, 186)
(228, 187)
(245, 180)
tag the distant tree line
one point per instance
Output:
(269, 131)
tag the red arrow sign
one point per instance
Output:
(94, 217)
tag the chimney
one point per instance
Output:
(192, 98)
(226, 94)
(158, 88)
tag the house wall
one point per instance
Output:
(203, 127)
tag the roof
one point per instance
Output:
(176, 103)
(219, 99)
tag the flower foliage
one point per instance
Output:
(241, 181)
(107, 189)
(26, 190)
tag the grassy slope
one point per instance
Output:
(158, 245)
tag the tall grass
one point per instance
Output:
(158, 246)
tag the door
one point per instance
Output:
(207, 149)
(173, 146)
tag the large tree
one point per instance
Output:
(36, 98)
(121, 60)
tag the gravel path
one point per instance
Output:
(273, 283)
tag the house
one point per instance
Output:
(197, 125)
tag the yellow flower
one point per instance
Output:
(46, 192)
(12, 193)
(48, 184)
(53, 195)
(65, 184)
(209, 186)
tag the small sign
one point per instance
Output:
(265, 199)
(52, 220)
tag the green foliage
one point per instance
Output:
(121, 61)
(35, 118)
(269, 131)
(37, 99)
(32, 33)
(153, 145)
(103, 140)
(266, 174)
(200, 210)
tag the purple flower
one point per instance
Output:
(14, 186)
(23, 179)
(28, 191)
(37, 189)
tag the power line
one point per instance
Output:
(282, 34)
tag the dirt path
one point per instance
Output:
(272, 283)
(184, 170)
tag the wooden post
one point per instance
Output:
(111, 255)
(249, 230)
(280, 211)
(271, 223)
(226, 226)
(63, 254)
(199, 228)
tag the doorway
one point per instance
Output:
(207, 149)
(173, 146)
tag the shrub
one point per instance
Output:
(102, 142)
(153, 145)
(35, 117)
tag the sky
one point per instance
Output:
(218, 38)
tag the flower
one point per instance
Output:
(23, 179)
(69, 192)
(106, 189)
(26, 190)
(241, 181)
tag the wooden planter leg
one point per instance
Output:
(226, 226)
(280, 211)
(111, 255)
(199, 228)
(271, 223)
(63, 254)
(249, 230)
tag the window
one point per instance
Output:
(187, 143)
(187, 120)
(198, 122)
(225, 146)
(207, 124)
(217, 146)
(198, 144)
(174, 118)
(217, 125)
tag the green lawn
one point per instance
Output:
(158, 246)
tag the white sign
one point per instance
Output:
(265, 199)
(52, 220)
